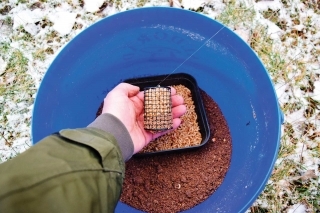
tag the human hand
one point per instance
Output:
(126, 102)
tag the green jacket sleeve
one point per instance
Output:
(79, 170)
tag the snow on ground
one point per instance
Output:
(33, 33)
(297, 208)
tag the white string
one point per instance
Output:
(192, 54)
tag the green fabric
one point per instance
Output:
(81, 170)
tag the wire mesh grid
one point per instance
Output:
(157, 108)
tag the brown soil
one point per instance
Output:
(179, 181)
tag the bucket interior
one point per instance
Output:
(157, 41)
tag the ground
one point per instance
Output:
(284, 33)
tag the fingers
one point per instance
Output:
(138, 103)
(178, 111)
(177, 100)
(140, 95)
(173, 91)
(127, 89)
(176, 124)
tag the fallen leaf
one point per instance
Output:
(310, 174)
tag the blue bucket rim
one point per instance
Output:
(164, 8)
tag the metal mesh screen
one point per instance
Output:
(157, 109)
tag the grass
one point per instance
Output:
(14, 77)
(287, 56)
(236, 14)
(268, 52)
(16, 87)
(41, 53)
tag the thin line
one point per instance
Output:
(192, 54)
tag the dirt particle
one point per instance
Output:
(138, 180)
(183, 179)
(159, 169)
(189, 194)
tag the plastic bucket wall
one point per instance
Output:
(155, 41)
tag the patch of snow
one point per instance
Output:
(193, 4)
(243, 33)
(299, 27)
(297, 208)
(13, 1)
(265, 5)
(5, 32)
(160, 3)
(176, 3)
(110, 10)
(75, 2)
(316, 91)
(273, 30)
(284, 183)
(295, 117)
(65, 7)
(63, 21)
(32, 28)
(215, 8)
(262, 203)
(285, 188)
(92, 5)
(3, 65)
(25, 17)
(281, 91)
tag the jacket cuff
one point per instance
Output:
(112, 125)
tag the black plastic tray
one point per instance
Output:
(189, 82)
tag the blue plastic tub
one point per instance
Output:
(155, 41)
